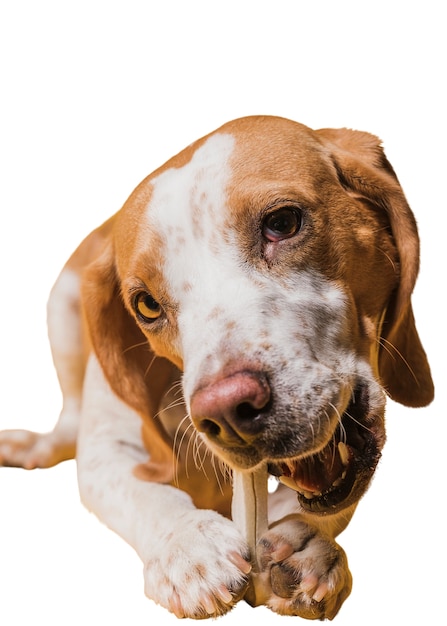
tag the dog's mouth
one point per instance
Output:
(338, 475)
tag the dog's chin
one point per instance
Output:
(337, 476)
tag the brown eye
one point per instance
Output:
(147, 309)
(282, 224)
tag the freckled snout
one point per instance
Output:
(230, 410)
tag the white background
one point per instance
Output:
(95, 95)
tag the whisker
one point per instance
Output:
(176, 401)
(177, 446)
(333, 434)
(387, 256)
(213, 464)
(149, 366)
(199, 458)
(313, 431)
(358, 423)
(225, 471)
(178, 384)
(172, 405)
(343, 436)
(393, 351)
(136, 345)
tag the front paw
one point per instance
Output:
(27, 449)
(303, 572)
(200, 568)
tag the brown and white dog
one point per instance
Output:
(250, 303)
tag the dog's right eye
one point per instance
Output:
(282, 224)
(147, 309)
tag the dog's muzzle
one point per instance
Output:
(238, 417)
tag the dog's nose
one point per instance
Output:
(230, 410)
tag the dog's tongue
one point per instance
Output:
(318, 473)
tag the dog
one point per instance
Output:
(249, 304)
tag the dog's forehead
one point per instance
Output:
(179, 193)
(186, 212)
(244, 158)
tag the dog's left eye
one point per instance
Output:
(147, 309)
(281, 224)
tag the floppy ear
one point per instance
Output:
(134, 373)
(363, 169)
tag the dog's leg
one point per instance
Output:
(28, 449)
(195, 561)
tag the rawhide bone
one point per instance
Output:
(250, 514)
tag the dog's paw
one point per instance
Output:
(303, 572)
(201, 568)
(27, 449)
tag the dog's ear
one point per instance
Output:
(363, 168)
(134, 373)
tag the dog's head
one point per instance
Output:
(273, 265)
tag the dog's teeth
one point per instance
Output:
(288, 482)
(343, 452)
(339, 480)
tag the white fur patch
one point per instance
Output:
(63, 313)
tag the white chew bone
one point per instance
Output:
(250, 514)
